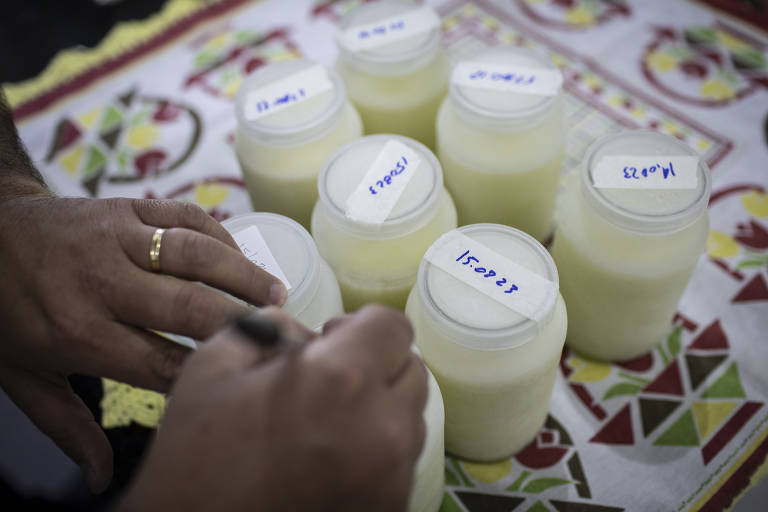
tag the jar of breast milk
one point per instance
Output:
(382, 203)
(429, 477)
(283, 248)
(291, 116)
(501, 139)
(631, 226)
(391, 59)
(490, 324)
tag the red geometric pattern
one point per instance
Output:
(711, 338)
(618, 430)
(668, 382)
(756, 289)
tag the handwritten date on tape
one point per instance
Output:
(646, 172)
(487, 271)
(383, 184)
(286, 92)
(500, 77)
(389, 30)
(255, 248)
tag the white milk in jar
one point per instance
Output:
(429, 477)
(501, 139)
(490, 324)
(396, 72)
(631, 226)
(291, 116)
(382, 204)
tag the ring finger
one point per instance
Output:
(192, 255)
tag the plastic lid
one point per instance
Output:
(472, 318)
(483, 105)
(304, 120)
(348, 165)
(399, 57)
(293, 249)
(645, 210)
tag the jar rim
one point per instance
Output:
(301, 293)
(494, 339)
(292, 134)
(478, 114)
(396, 226)
(642, 222)
(399, 63)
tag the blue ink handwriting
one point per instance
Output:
(636, 174)
(503, 77)
(283, 99)
(485, 271)
(400, 167)
(381, 30)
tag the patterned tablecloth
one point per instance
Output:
(684, 427)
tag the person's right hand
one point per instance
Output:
(332, 424)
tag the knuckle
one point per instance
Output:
(388, 321)
(191, 307)
(343, 381)
(197, 250)
(142, 206)
(395, 441)
(74, 329)
(192, 215)
(96, 279)
(164, 361)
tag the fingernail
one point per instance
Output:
(277, 294)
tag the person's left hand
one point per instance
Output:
(77, 295)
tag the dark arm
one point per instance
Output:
(18, 176)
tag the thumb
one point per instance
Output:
(48, 400)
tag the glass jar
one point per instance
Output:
(282, 152)
(626, 255)
(495, 366)
(397, 86)
(313, 295)
(379, 262)
(429, 477)
(502, 149)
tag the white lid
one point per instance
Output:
(505, 107)
(293, 249)
(348, 165)
(399, 57)
(472, 318)
(645, 210)
(295, 123)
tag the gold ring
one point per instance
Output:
(154, 249)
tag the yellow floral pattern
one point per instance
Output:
(756, 203)
(143, 136)
(717, 90)
(721, 246)
(488, 473)
(661, 62)
(210, 195)
(587, 370)
(579, 16)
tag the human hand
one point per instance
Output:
(78, 297)
(335, 424)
